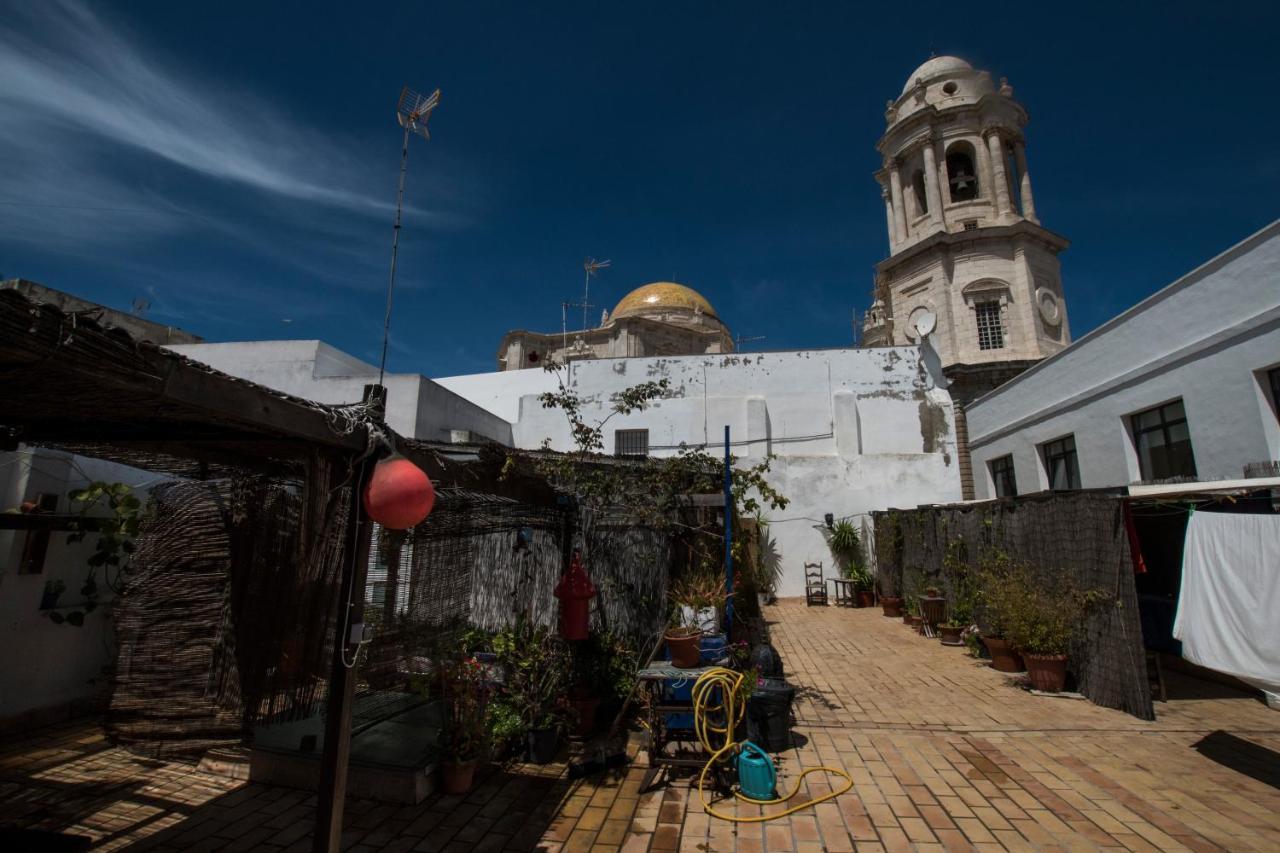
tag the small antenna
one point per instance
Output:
(739, 340)
(138, 307)
(591, 266)
(412, 112)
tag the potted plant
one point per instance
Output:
(1050, 610)
(603, 673)
(539, 674)
(846, 546)
(695, 601)
(1003, 585)
(465, 733)
(959, 618)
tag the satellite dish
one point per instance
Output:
(926, 323)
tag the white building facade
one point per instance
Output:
(849, 430)
(1182, 386)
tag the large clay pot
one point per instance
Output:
(1047, 672)
(891, 605)
(917, 623)
(950, 635)
(457, 776)
(866, 598)
(685, 645)
(1004, 658)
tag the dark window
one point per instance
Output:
(1273, 379)
(1002, 475)
(1163, 442)
(917, 187)
(961, 177)
(1060, 463)
(631, 442)
(990, 333)
(971, 225)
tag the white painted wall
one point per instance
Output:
(1204, 339)
(50, 666)
(848, 427)
(314, 370)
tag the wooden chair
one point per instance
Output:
(815, 588)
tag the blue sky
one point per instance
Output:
(236, 163)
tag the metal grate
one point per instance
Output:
(990, 332)
(631, 442)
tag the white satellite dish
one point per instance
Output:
(926, 323)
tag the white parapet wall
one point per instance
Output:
(849, 430)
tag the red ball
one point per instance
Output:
(399, 494)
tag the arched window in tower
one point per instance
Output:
(917, 189)
(962, 178)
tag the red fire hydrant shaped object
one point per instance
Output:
(575, 592)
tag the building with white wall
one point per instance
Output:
(1183, 385)
(850, 430)
(416, 406)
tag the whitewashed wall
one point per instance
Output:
(1207, 338)
(313, 370)
(852, 430)
(51, 668)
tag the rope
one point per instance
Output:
(731, 709)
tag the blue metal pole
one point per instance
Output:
(728, 536)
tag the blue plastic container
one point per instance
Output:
(712, 647)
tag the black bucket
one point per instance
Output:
(769, 714)
(543, 744)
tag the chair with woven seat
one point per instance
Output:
(815, 587)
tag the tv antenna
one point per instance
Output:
(591, 266)
(412, 112)
(139, 306)
(739, 340)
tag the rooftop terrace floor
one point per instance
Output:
(945, 754)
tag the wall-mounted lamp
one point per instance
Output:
(830, 520)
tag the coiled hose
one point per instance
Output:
(731, 709)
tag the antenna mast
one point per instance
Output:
(412, 112)
(591, 266)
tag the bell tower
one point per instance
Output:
(965, 242)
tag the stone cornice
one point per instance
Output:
(990, 233)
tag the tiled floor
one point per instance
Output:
(945, 754)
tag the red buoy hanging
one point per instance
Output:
(575, 592)
(399, 494)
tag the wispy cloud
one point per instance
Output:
(107, 140)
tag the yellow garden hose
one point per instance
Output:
(732, 707)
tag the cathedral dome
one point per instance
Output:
(936, 66)
(662, 296)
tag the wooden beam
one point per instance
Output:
(334, 763)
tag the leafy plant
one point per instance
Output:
(465, 734)
(1038, 612)
(605, 664)
(846, 546)
(114, 545)
(539, 674)
(700, 590)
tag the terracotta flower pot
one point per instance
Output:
(1004, 658)
(891, 605)
(916, 623)
(685, 645)
(950, 635)
(866, 598)
(1048, 673)
(457, 776)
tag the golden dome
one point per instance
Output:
(659, 295)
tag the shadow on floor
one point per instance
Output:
(1243, 756)
(1181, 686)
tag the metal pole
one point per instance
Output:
(728, 536)
(332, 792)
(395, 249)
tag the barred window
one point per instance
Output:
(1003, 478)
(631, 442)
(990, 333)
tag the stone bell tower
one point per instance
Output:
(965, 243)
(964, 239)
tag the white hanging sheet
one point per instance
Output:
(1229, 606)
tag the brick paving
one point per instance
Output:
(946, 754)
